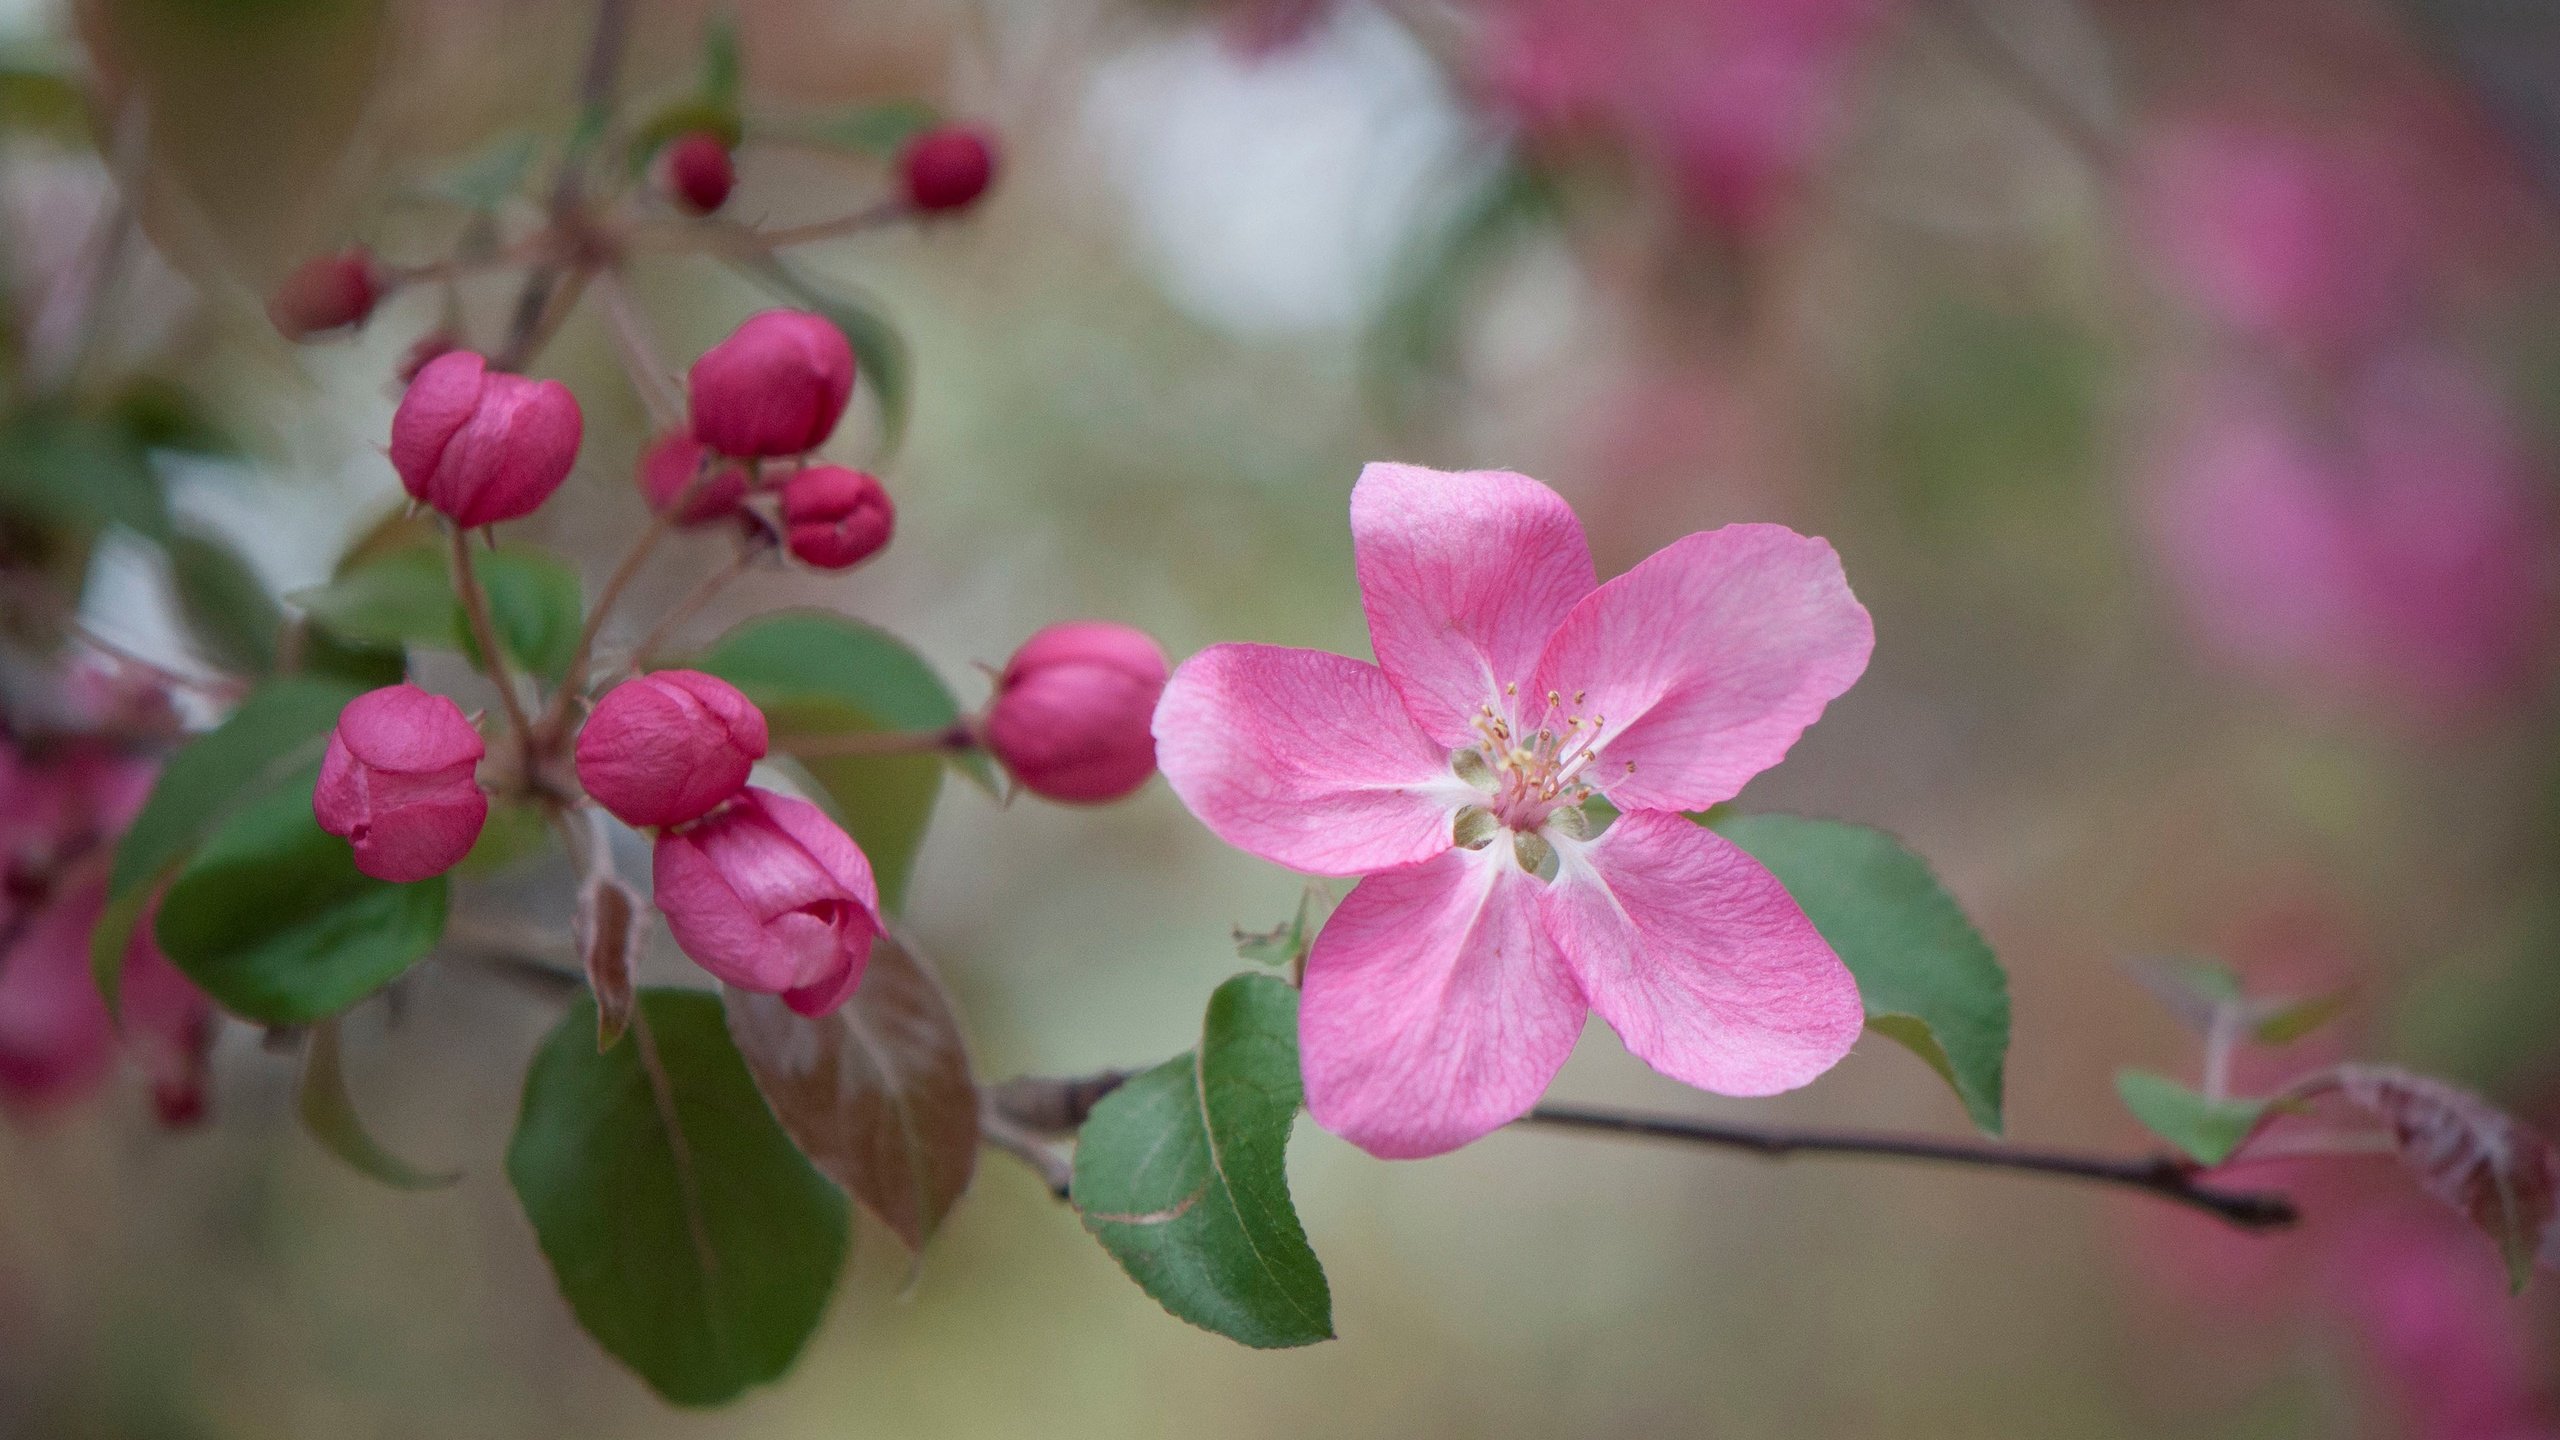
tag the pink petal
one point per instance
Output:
(1306, 759)
(1706, 662)
(1435, 1008)
(1464, 575)
(1699, 958)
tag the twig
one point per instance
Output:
(639, 353)
(1057, 1106)
(999, 1132)
(475, 606)
(2162, 1175)
(574, 679)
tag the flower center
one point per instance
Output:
(1531, 775)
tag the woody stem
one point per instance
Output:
(475, 607)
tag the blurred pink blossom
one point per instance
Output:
(2449, 1349)
(1735, 99)
(2406, 556)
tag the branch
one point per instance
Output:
(1057, 1106)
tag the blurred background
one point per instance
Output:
(2178, 378)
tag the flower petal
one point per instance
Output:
(1435, 1007)
(1699, 958)
(1305, 759)
(1706, 662)
(1463, 574)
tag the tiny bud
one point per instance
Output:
(947, 167)
(770, 895)
(700, 172)
(326, 292)
(481, 445)
(837, 518)
(776, 386)
(676, 463)
(397, 783)
(1072, 711)
(668, 747)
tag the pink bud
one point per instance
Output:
(667, 747)
(1072, 712)
(55, 1039)
(672, 465)
(837, 518)
(326, 292)
(776, 386)
(700, 172)
(481, 445)
(769, 895)
(398, 783)
(947, 168)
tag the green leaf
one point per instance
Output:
(273, 920)
(721, 66)
(819, 674)
(406, 597)
(161, 414)
(879, 130)
(879, 351)
(692, 1240)
(1181, 1174)
(61, 469)
(331, 1118)
(1285, 944)
(2281, 1022)
(1928, 980)
(2207, 1130)
(277, 734)
(226, 606)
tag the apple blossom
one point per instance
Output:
(398, 783)
(676, 463)
(769, 895)
(1072, 710)
(776, 386)
(836, 518)
(481, 445)
(665, 748)
(947, 167)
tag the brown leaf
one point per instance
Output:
(609, 929)
(878, 1095)
(2468, 1153)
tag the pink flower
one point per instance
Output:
(398, 783)
(667, 747)
(836, 518)
(947, 167)
(56, 1040)
(677, 464)
(776, 386)
(1450, 986)
(326, 292)
(2454, 1356)
(1072, 710)
(481, 445)
(2407, 558)
(767, 894)
(699, 172)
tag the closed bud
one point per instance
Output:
(679, 467)
(480, 445)
(1072, 712)
(769, 895)
(326, 292)
(667, 747)
(398, 783)
(700, 172)
(947, 167)
(776, 386)
(836, 518)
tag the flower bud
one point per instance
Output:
(1072, 712)
(677, 463)
(481, 445)
(326, 292)
(700, 172)
(398, 783)
(776, 386)
(837, 518)
(667, 747)
(769, 895)
(947, 167)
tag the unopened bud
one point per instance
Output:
(776, 386)
(398, 783)
(836, 518)
(947, 167)
(326, 292)
(669, 747)
(700, 172)
(481, 445)
(1072, 712)
(679, 467)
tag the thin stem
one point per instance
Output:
(639, 353)
(724, 238)
(2164, 1176)
(999, 1132)
(575, 679)
(702, 594)
(475, 607)
(869, 742)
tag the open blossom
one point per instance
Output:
(769, 895)
(1511, 688)
(2408, 558)
(665, 748)
(399, 783)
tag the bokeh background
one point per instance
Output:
(2178, 379)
